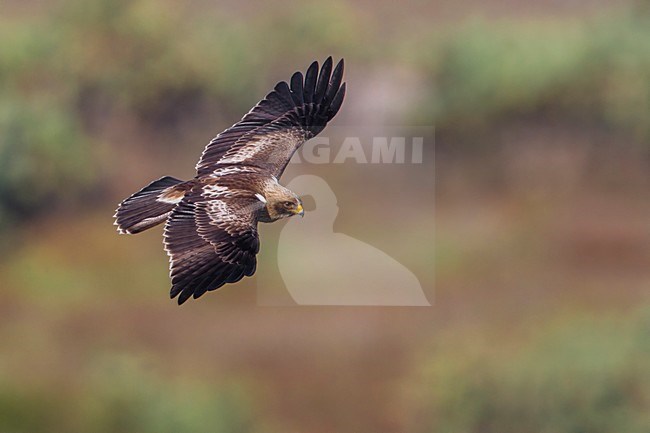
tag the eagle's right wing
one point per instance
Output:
(211, 239)
(277, 126)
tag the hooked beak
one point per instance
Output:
(300, 211)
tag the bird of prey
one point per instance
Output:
(211, 221)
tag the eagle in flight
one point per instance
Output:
(211, 221)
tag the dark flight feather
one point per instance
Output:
(323, 79)
(297, 89)
(206, 245)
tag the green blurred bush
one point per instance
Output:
(595, 70)
(44, 159)
(590, 375)
(121, 394)
(156, 59)
(64, 73)
(146, 58)
(143, 55)
(90, 63)
(45, 156)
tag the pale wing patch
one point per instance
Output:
(260, 197)
(273, 148)
(220, 213)
(247, 151)
(171, 195)
(231, 216)
(233, 170)
(170, 200)
(215, 191)
(230, 209)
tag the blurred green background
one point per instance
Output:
(541, 316)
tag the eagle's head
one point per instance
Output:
(282, 203)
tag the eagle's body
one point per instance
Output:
(211, 221)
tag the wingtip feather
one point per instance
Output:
(297, 88)
(336, 102)
(323, 80)
(310, 82)
(335, 82)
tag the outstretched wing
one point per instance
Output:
(211, 239)
(277, 126)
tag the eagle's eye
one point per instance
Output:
(289, 204)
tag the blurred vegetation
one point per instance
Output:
(61, 71)
(44, 159)
(594, 70)
(573, 375)
(86, 61)
(80, 68)
(121, 394)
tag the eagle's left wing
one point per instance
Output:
(277, 126)
(211, 239)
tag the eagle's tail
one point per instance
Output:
(150, 206)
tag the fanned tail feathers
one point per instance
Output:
(150, 206)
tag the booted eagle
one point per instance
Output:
(211, 221)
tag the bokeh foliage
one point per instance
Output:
(596, 70)
(64, 71)
(81, 67)
(578, 374)
(121, 394)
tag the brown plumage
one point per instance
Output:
(211, 221)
